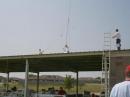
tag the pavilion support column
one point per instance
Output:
(77, 83)
(7, 82)
(37, 83)
(26, 78)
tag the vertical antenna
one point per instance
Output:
(66, 47)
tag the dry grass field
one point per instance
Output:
(92, 87)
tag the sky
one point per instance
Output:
(29, 25)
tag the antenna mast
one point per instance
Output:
(66, 47)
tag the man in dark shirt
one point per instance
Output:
(61, 91)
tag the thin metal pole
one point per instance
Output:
(26, 79)
(106, 78)
(77, 83)
(37, 83)
(7, 83)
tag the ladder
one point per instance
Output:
(106, 63)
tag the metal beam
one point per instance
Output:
(77, 83)
(26, 79)
(37, 83)
(7, 82)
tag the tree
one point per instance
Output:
(68, 82)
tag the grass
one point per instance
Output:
(93, 87)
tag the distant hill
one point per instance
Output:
(50, 79)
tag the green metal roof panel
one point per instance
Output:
(75, 61)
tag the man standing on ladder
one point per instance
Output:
(118, 39)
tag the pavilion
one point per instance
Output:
(61, 62)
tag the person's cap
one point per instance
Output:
(127, 69)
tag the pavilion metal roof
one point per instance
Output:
(73, 61)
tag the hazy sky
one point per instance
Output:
(29, 25)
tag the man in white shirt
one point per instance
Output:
(122, 89)
(118, 39)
